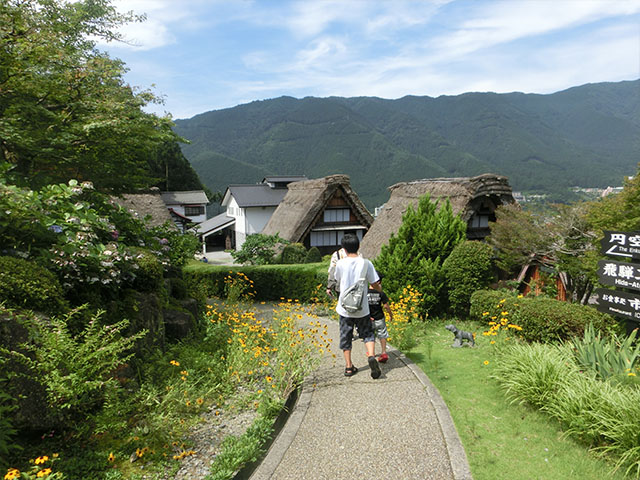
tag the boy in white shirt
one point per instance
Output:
(348, 271)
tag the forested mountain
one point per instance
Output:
(587, 136)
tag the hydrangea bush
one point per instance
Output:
(84, 236)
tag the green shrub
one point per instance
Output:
(414, 255)
(178, 288)
(258, 249)
(542, 319)
(607, 357)
(603, 415)
(293, 253)
(313, 256)
(468, 268)
(76, 371)
(270, 282)
(148, 275)
(25, 284)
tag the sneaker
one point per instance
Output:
(375, 368)
(383, 358)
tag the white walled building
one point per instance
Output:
(248, 209)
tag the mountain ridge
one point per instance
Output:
(587, 135)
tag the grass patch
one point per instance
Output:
(502, 440)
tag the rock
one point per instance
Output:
(178, 323)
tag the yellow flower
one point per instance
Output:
(112, 457)
(43, 473)
(175, 363)
(492, 342)
(200, 401)
(269, 379)
(12, 473)
(41, 460)
(486, 362)
(631, 374)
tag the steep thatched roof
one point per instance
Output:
(464, 193)
(143, 204)
(305, 202)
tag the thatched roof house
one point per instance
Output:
(474, 198)
(147, 205)
(317, 213)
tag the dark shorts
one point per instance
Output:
(365, 331)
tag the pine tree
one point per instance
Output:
(414, 256)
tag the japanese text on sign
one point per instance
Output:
(617, 274)
(622, 244)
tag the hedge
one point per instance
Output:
(542, 319)
(301, 282)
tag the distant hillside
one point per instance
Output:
(587, 136)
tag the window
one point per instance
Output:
(329, 239)
(192, 210)
(479, 221)
(335, 215)
(323, 239)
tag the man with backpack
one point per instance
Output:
(353, 275)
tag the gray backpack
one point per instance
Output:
(351, 301)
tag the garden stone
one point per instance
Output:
(178, 323)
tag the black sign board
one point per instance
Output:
(619, 274)
(621, 244)
(621, 304)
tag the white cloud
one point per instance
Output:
(503, 22)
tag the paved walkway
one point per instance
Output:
(396, 427)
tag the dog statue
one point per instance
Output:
(461, 336)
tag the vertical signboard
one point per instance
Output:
(620, 273)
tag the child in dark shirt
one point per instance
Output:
(378, 301)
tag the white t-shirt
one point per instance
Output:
(348, 271)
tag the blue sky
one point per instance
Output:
(203, 55)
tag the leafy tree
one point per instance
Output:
(560, 237)
(65, 110)
(414, 255)
(519, 235)
(258, 249)
(468, 268)
(176, 173)
(618, 212)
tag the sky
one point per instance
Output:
(202, 55)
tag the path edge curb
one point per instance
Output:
(287, 434)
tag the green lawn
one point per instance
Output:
(502, 440)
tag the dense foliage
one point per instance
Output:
(304, 282)
(415, 254)
(542, 319)
(602, 415)
(547, 143)
(560, 238)
(66, 111)
(293, 253)
(25, 284)
(468, 268)
(258, 249)
(93, 246)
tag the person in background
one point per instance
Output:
(378, 301)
